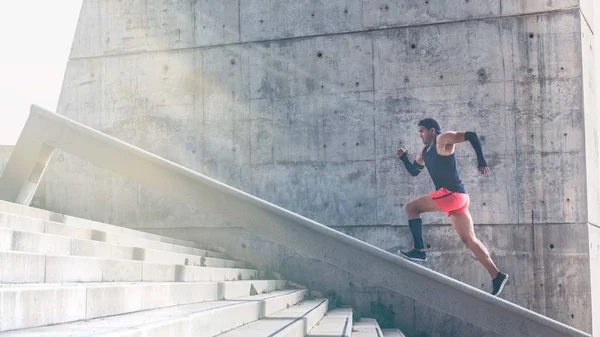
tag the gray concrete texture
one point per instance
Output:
(308, 132)
(303, 104)
(548, 275)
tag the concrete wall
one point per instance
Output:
(303, 103)
(245, 112)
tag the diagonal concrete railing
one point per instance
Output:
(46, 131)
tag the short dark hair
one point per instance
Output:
(430, 123)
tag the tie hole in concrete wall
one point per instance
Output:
(413, 46)
(551, 246)
(531, 36)
(320, 55)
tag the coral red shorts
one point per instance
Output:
(451, 202)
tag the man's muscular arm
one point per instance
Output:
(413, 168)
(452, 137)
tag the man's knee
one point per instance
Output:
(412, 208)
(469, 240)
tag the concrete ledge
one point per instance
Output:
(41, 243)
(24, 307)
(231, 274)
(122, 271)
(168, 294)
(23, 267)
(186, 259)
(6, 239)
(294, 321)
(33, 305)
(12, 221)
(237, 289)
(121, 238)
(16, 267)
(275, 301)
(337, 322)
(103, 250)
(392, 333)
(37, 214)
(209, 318)
(366, 327)
(73, 269)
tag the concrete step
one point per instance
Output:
(206, 319)
(134, 239)
(36, 213)
(337, 322)
(366, 327)
(392, 333)
(236, 289)
(41, 243)
(294, 321)
(33, 305)
(19, 267)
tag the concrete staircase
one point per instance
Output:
(75, 277)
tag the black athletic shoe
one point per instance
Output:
(415, 255)
(499, 283)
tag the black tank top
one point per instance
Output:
(443, 170)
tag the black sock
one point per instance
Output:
(416, 228)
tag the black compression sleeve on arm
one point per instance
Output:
(474, 140)
(413, 168)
